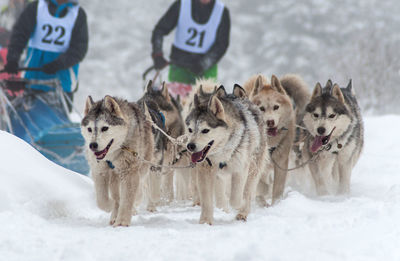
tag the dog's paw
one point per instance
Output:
(206, 222)
(151, 209)
(122, 222)
(196, 203)
(241, 217)
(113, 217)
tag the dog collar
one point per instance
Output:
(162, 118)
(110, 165)
(222, 165)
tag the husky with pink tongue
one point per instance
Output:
(228, 143)
(333, 137)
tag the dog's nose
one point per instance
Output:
(270, 123)
(93, 146)
(321, 130)
(191, 146)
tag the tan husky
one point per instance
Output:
(279, 116)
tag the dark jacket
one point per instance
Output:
(25, 26)
(200, 14)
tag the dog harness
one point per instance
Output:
(193, 37)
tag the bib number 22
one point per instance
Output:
(53, 35)
(196, 38)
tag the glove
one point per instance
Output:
(159, 61)
(11, 67)
(51, 68)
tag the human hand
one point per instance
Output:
(11, 67)
(50, 68)
(159, 61)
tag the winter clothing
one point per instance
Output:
(180, 74)
(200, 53)
(11, 67)
(159, 61)
(57, 40)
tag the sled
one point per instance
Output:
(42, 119)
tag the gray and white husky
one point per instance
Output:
(118, 138)
(170, 109)
(227, 141)
(333, 137)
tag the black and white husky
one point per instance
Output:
(333, 138)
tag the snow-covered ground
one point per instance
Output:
(49, 213)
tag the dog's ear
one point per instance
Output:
(215, 106)
(238, 91)
(149, 86)
(257, 86)
(329, 83)
(350, 88)
(111, 104)
(178, 99)
(201, 91)
(276, 84)
(165, 92)
(146, 112)
(88, 105)
(220, 92)
(337, 93)
(317, 91)
(196, 101)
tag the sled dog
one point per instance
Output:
(226, 139)
(279, 116)
(117, 136)
(334, 137)
(170, 109)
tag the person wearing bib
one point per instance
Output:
(201, 39)
(56, 34)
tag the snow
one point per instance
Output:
(49, 213)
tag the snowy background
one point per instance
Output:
(49, 213)
(317, 39)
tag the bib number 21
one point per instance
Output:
(53, 35)
(196, 38)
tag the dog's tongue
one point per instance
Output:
(272, 131)
(196, 156)
(317, 143)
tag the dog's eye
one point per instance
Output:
(331, 116)
(205, 131)
(316, 115)
(276, 107)
(103, 129)
(89, 129)
(262, 108)
(190, 130)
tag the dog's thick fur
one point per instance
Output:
(170, 109)
(114, 130)
(334, 132)
(228, 144)
(278, 114)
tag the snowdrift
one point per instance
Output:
(49, 213)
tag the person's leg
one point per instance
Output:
(180, 74)
(211, 72)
